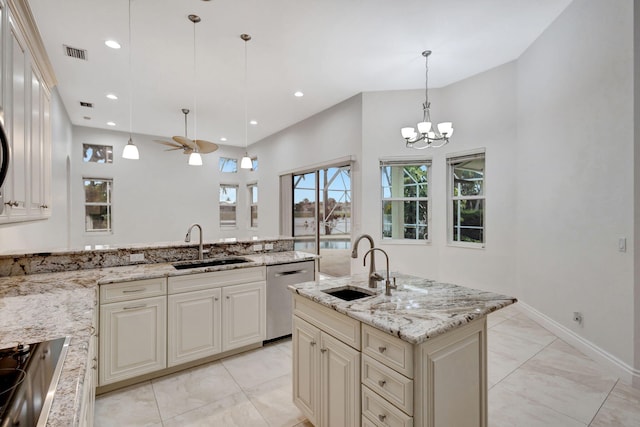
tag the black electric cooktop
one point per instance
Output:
(29, 375)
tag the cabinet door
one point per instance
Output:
(132, 338)
(243, 315)
(340, 383)
(194, 326)
(306, 368)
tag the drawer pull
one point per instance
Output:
(287, 273)
(216, 299)
(382, 349)
(133, 307)
(382, 417)
(381, 383)
(131, 291)
(312, 343)
(323, 350)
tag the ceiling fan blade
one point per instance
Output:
(205, 146)
(174, 149)
(167, 143)
(184, 141)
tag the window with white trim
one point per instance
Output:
(467, 199)
(228, 204)
(97, 204)
(405, 199)
(253, 205)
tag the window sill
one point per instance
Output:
(466, 245)
(404, 242)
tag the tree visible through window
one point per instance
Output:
(97, 195)
(228, 203)
(405, 199)
(253, 205)
(466, 192)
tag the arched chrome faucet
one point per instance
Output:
(187, 239)
(373, 276)
(388, 286)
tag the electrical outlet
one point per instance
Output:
(622, 244)
(577, 317)
(136, 257)
(268, 247)
(257, 248)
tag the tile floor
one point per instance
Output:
(535, 379)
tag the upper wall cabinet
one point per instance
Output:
(26, 105)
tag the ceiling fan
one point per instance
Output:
(187, 145)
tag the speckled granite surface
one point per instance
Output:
(420, 309)
(40, 307)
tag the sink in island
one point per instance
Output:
(415, 358)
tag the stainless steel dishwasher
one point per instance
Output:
(279, 300)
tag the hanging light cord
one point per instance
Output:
(130, 80)
(246, 125)
(195, 92)
(426, 105)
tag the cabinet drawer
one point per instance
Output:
(215, 279)
(381, 412)
(125, 291)
(387, 349)
(389, 384)
(340, 326)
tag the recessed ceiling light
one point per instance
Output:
(298, 94)
(223, 139)
(253, 122)
(112, 96)
(112, 44)
(111, 124)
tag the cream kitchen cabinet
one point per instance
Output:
(326, 369)
(133, 329)
(26, 118)
(215, 312)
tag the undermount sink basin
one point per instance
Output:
(349, 293)
(183, 265)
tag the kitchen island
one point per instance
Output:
(417, 357)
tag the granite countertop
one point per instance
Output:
(418, 310)
(41, 307)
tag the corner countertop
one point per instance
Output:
(41, 307)
(418, 310)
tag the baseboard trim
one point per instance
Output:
(610, 362)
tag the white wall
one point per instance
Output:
(636, 181)
(482, 110)
(575, 173)
(53, 232)
(156, 198)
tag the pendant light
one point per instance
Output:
(195, 159)
(246, 162)
(130, 150)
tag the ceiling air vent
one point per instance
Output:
(74, 52)
(86, 104)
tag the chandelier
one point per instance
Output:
(427, 136)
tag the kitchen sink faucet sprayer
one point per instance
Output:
(373, 276)
(187, 239)
(388, 285)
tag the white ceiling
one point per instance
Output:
(328, 49)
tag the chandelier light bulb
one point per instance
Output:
(195, 159)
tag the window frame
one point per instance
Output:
(452, 160)
(223, 161)
(251, 204)
(235, 205)
(108, 204)
(422, 161)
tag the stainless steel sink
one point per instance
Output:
(183, 265)
(349, 293)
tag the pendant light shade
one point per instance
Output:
(195, 159)
(130, 151)
(246, 162)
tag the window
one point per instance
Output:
(228, 202)
(228, 165)
(253, 205)
(467, 199)
(97, 153)
(97, 205)
(254, 163)
(405, 199)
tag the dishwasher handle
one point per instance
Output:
(288, 273)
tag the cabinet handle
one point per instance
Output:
(131, 291)
(312, 343)
(323, 350)
(44, 206)
(382, 349)
(133, 307)
(287, 273)
(382, 417)
(381, 383)
(12, 203)
(228, 297)
(216, 298)
(93, 330)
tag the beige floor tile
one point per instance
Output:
(233, 411)
(627, 392)
(133, 406)
(520, 326)
(498, 317)
(562, 378)
(621, 409)
(274, 401)
(193, 388)
(258, 366)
